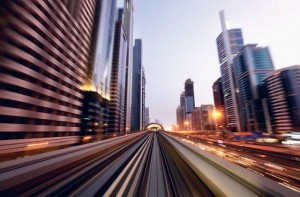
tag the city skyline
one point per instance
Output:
(77, 85)
(195, 55)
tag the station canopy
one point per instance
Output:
(154, 127)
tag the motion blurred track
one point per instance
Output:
(140, 164)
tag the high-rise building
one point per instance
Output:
(229, 43)
(44, 56)
(283, 88)
(189, 96)
(196, 118)
(136, 105)
(219, 104)
(207, 118)
(251, 66)
(128, 28)
(143, 98)
(95, 112)
(180, 117)
(118, 79)
(147, 117)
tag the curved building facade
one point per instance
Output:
(44, 53)
(283, 87)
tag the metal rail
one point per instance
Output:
(141, 164)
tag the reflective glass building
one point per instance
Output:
(251, 66)
(128, 28)
(189, 96)
(118, 79)
(136, 106)
(95, 112)
(229, 43)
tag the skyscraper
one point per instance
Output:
(147, 116)
(143, 98)
(118, 79)
(45, 51)
(283, 88)
(229, 43)
(219, 103)
(136, 106)
(95, 112)
(180, 112)
(189, 96)
(251, 66)
(128, 28)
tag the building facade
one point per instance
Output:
(189, 96)
(118, 79)
(128, 28)
(44, 58)
(219, 104)
(207, 118)
(147, 116)
(98, 80)
(180, 118)
(196, 119)
(229, 43)
(143, 99)
(136, 104)
(251, 66)
(283, 87)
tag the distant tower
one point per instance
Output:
(189, 96)
(143, 98)
(229, 43)
(147, 116)
(136, 102)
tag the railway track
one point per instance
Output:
(140, 164)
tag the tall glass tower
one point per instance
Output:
(189, 96)
(251, 66)
(118, 78)
(229, 43)
(137, 70)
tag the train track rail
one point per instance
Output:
(140, 164)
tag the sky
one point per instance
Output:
(179, 43)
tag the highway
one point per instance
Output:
(139, 164)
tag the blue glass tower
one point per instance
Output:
(251, 66)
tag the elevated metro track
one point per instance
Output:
(140, 164)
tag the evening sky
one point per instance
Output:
(179, 43)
